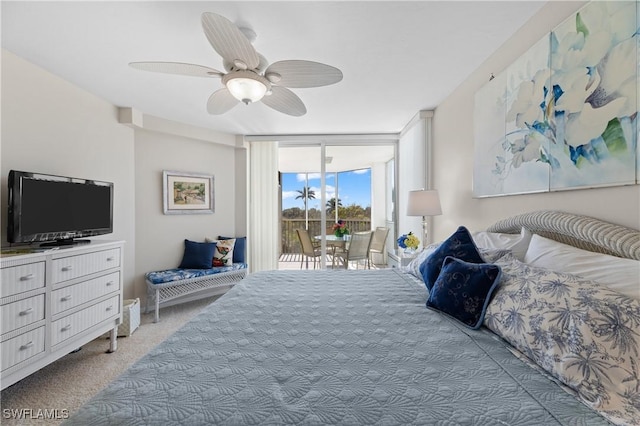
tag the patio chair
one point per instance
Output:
(378, 242)
(308, 248)
(358, 248)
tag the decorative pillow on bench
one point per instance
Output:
(197, 255)
(223, 255)
(239, 249)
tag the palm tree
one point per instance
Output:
(331, 205)
(306, 193)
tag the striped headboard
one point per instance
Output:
(584, 232)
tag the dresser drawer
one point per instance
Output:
(77, 294)
(22, 347)
(18, 279)
(73, 324)
(23, 312)
(67, 268)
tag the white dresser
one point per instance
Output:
(52, 302)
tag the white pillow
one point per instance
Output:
(517, 243)
(223, 254)
(413, 268)
(622, 275)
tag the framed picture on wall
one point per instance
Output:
(187, 193)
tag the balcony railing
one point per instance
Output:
(290, 242)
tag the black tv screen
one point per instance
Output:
(57, 208)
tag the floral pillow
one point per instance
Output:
(584, 334)
(223, 255)
(239, 250)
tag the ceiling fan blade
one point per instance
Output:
(285, 101)
(227, 39)
(177, 68)
(220, 102)
(297, 73)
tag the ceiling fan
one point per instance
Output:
(248, 78)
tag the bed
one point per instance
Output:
(360, 347)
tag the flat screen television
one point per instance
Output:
(55, 210)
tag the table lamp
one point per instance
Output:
(424, 203)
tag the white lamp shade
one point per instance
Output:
(246, 86)
(424, 203)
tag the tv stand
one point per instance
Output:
(68, 242)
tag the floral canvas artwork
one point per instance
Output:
(570, 109)
(594, 90)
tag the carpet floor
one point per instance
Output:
(66, 384)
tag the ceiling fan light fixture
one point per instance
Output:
(246, 86)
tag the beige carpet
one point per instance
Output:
(72, 380)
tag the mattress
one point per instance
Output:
(331, 347)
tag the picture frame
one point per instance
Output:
(187, 193)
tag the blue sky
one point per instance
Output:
(354, 188)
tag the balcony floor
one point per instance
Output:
(291, 261)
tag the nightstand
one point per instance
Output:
(398, 258)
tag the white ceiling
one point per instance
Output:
(397, 57)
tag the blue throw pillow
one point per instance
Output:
(459, 245)
(463, 290)
(239, 248)
(197, 255)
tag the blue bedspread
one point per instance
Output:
(327, 348)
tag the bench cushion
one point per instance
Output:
(178, 274)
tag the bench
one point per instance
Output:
(170, 284)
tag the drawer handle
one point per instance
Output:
(26, 312)
(26, 346)
(66, 268)
(65, 299)
(111, 259)
(109, 283)
(27, 277)
(66, 327)
(109, 308)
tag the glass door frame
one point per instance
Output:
(340, 140)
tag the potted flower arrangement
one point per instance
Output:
(340, 229)
(409, 242)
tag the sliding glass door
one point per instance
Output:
(324, 183)
(300, 170)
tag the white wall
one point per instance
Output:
(51, 126)
(453, 151)
(411, 174)
(241, 177)
(160, 238)
(378, 195)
